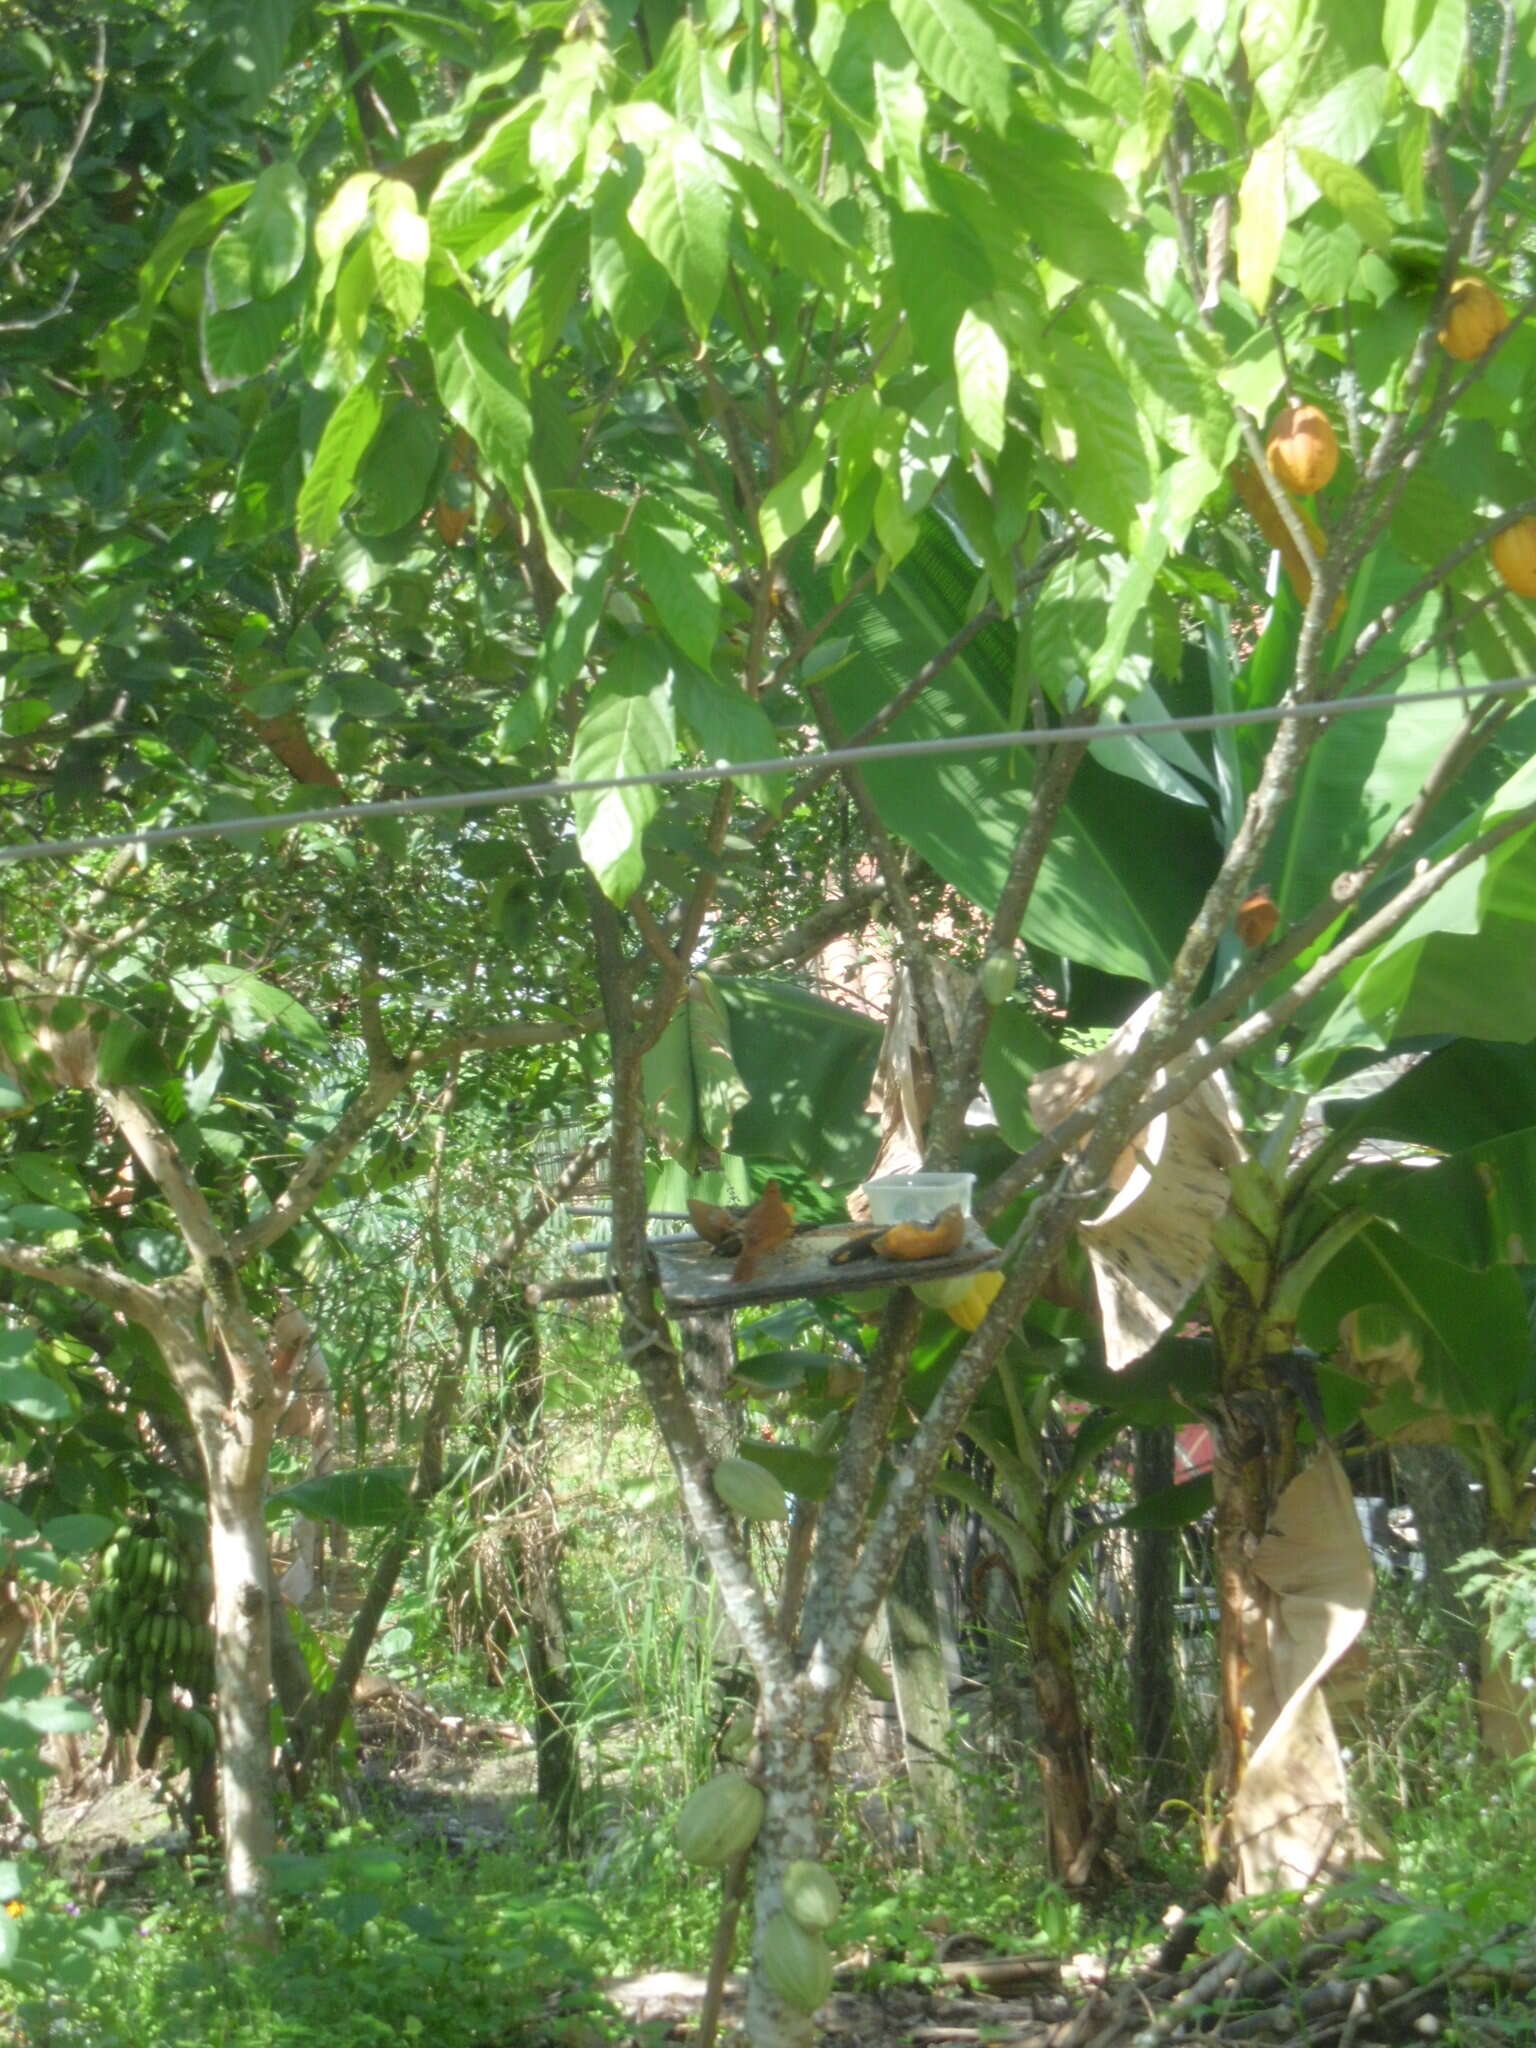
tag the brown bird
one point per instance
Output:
(717, 1226)
(769, 1223)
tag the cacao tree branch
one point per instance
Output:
(956, 1082)
(647, 1345)
(81, 1276)
(801, 941)
(1344, 894)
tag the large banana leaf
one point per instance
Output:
(1464, 1094)
(1127, 866)
(808, 1066)
(1465, 964)
(1475, 1104)
(1367, 767)
(1471, 1326)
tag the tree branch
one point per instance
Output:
(82, 1276)
(648, 1348)
(808, 937)
(955, 1083)
(384, 1084)
(160, 1156)
(919, 960)
(1346, 891)
(16, 230)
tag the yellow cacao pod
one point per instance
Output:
(1513, 555)
(981, 1291)
(797, 1963)
(1476, 318)
(720, 1820)
(1303, 450)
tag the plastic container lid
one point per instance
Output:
(918, 1197)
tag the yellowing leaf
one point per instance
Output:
(1261, 218)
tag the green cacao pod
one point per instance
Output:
(720, 1820)
(999, 978)
(797, 1963)
(738, 1735)
(749, 1491)
(810, 1896)
(944, 1293)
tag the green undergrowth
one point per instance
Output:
(380, 1945)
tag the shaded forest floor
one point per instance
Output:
(1367, 1973)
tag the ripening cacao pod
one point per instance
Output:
(1303, 450)
(749, 1491)
(1513, 554)
(1476, 318)
(720, 1820)
(982, 1290)
(797, 1963)
(810, 1896)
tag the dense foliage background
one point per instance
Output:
(402, 405)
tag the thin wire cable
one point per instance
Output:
(561, 787)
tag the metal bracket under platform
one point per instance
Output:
(694, 1277)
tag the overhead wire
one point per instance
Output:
(557, 788)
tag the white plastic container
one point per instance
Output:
(918, 1197)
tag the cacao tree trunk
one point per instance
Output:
(534, 1542)
(794, 1786)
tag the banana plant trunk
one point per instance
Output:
(922, 1700)
(1072, 1814)
(1254, 1442)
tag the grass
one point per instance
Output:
(379, 1945)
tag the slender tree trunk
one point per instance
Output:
(1505, 1724)
(922, 1699)
(243, 1661)
(290, 1673)
(557, 1759)
(534, 1542)
(1506, 1712)
(1154, 1566)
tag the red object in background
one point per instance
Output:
(1193, 1453)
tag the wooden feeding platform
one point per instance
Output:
(695, 1277)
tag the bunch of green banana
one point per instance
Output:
(149, 1626)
